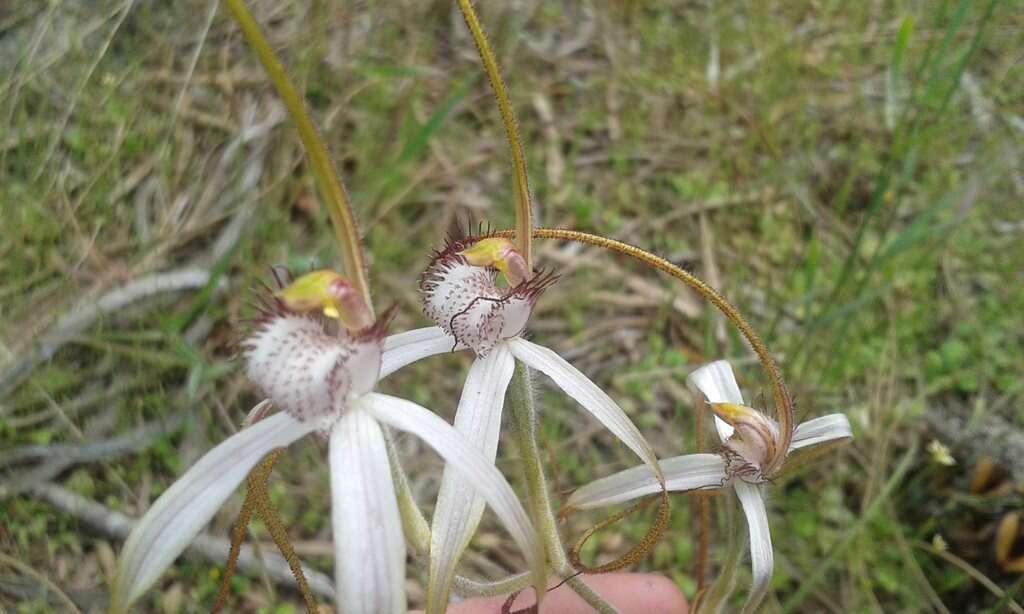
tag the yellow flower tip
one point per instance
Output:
(329, 293)
(309, 292)
(733, 414)
(492, 251)
(500, 253)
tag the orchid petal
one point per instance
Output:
(761, 557)
(473, 467)
(408, 347)
(717, 383)
(459, 507)
(724, 429)
(587, 394)
(369, 562)
(189, 504)
(821, 430)
(682, 473)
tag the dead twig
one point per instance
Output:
(59, 457)
(86, 312)
(117, 525)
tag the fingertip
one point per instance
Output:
(660, 594)
(630, 593)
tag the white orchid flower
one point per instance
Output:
(322, 376)
(749, 445)
(461, 295)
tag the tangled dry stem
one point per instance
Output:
(257, 500)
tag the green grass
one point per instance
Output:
(858, 167)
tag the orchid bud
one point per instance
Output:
(329, 293)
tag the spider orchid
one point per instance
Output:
(461, 295)
(747, 460)
(316, 355)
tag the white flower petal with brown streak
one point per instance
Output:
(189, 504)
(474, 469)
(717, 383)
(821, 430)
(408, 347)
(682, 473)
(369, 562)
(459, 507)
(587, 394)
(761, 556)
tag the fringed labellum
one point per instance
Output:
(461, 293)
(300, 362)
(753, 445)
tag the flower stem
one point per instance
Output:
(783, 401)
(524, 211)
(524, 424)
(511, 584)
(704, 516)
(324, 172)
(712, 599)
(414, 524)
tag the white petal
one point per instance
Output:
(761, 558)
(459, 507)
(473, 466)
(587, 394)
(189, 504)
(724, 429)
(717, 383)
(408, 347)
(820, 430)
(682, 473)
(369, 562)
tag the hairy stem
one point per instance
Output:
(414, 524)
(524, 423)
(704, 516)
(258, 499)
(524, 211)
(783, 401)
(511, 584)
(324, 172)
(712, 599)
(637, 552)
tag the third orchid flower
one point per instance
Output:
(746, 463)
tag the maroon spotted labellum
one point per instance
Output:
(467, 303)
(306, 364)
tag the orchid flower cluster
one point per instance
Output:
(317, 351)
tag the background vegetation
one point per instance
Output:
(848, 173)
